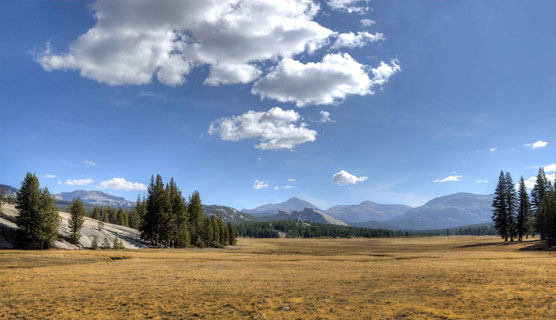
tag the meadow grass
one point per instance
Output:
(407, 278)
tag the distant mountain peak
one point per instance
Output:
(292, 204)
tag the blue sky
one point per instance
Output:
(466, 89)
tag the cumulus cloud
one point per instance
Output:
(283, 187)
(550, 168)
(367, 22)
(291, 180)
(350, 6)
(258, 185)
(536, 145)
(493, 149)
(121, 184)
(89, 163)
(356, 40)
(134, 41)
(77, 182)
(343, 178)
(485, 180)
(453, 178)
(275, 128)
(325, 117)
(49, 176)
(326, 82)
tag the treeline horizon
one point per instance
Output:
(516, 214)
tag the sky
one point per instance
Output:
(255, 102)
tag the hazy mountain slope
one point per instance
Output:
(129, 237)
(310, 215)
(8, 190)
(446, 212)
(97, 198)
(292, 204)
(228, 214)
(367, 211)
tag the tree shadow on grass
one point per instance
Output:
(488, 244)
(538, 246)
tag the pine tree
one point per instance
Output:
(500, 208)
(100, 224)
(120, 217)
(196, 216)
(537, 195)
(512, 206)
(232, 232)
(154, 223)
(38, 218)
(105, 243)
(524, 211)
(77, 213)
(94, 244)
(96, 214)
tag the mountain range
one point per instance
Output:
(440, 213)
(459, 209)
(97, 198)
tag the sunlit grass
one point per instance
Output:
(416, 278)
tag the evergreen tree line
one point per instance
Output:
(168, 220)
(127, 218)
(297, 229)
(516, 214)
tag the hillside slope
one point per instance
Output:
(367, 211)
(307, 215)
(128, 236)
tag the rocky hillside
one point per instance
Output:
(228, 214)
(128, 236)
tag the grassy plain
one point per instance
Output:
(414, 278)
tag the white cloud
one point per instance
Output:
(352, 40)
(485, 180)
(453, 178)
(121, 184)
(258, 185)
(283, 187)
(367, 22)
(531, 181)
(89, 163)
(276, 128)
(49, 176)
(536, 145)
(343, 178)
(325, 117)
(77, 182)
(350, 6)
(291, 180)
(550, 168)
(493, 149)
(134, 41)
(326, 82)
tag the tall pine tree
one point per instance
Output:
(524, 211)
(511, 206)
(500, 208)
(38, 218)
(77, 219)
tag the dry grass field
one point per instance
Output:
(415, 278)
